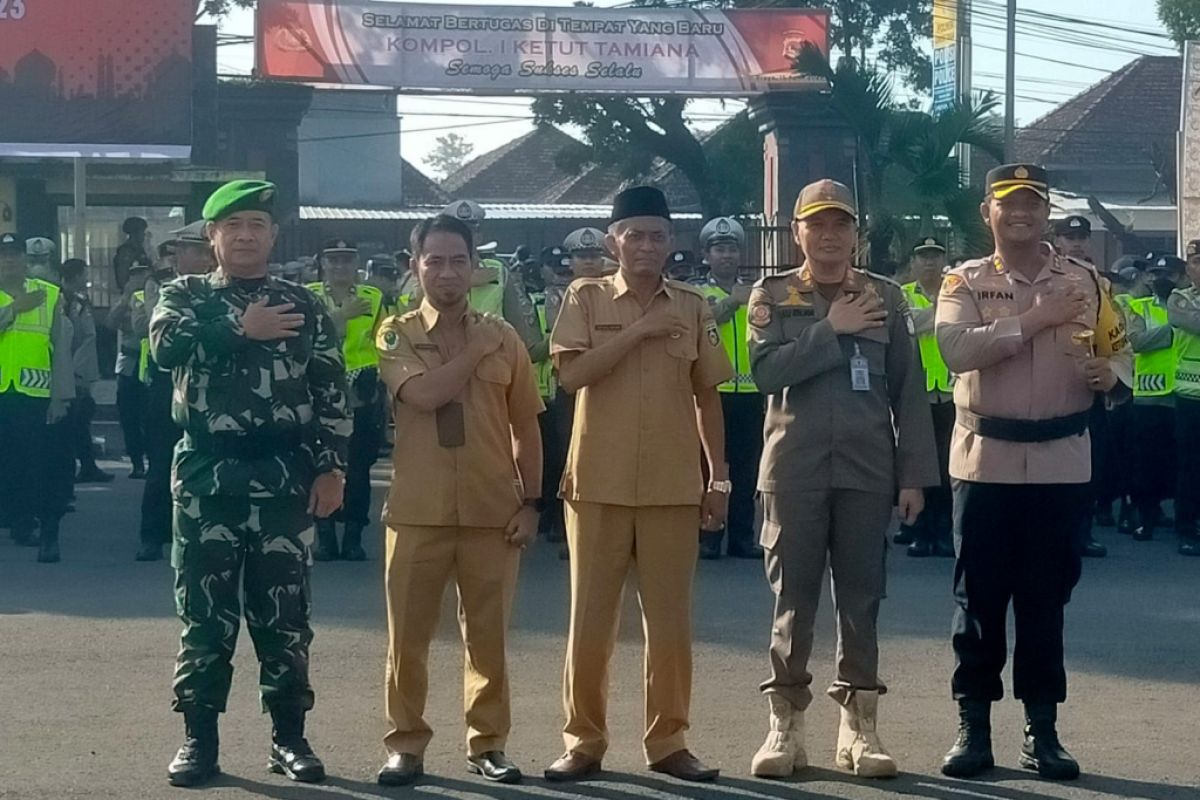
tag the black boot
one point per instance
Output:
(921, 548)
(1093, 549)
(196, 761)
(48, 543)
(972, 750)
(1189, 542)
(1125, 521)
(1146, 519)
(906, 535)
(327, 544)
(352, 543)
(710, 545)
(1042, 750)
(290, 753)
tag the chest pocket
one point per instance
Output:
(494, 369)
(873, 344)
(681, 355)
(795, 319)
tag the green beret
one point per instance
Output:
(238, 196)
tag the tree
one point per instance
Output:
(219, 8)
(450, 154)
(1181, 18)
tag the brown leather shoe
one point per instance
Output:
(572, 766)
(686, 767)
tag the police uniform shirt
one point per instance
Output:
(635, 440)
(820, 433)
(1000, 374)
(455, 470)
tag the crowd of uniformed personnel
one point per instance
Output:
(640, 420)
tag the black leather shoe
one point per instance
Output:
(149, 552)
(1094, 549)
(1189, 545)
(905, 535)
(401, 769)
(494, 766)
(686, 767)
(196, 761)
(972, 750)
(943, 548)
(752, 551)
(1042, 751)
(352, 544)
(291, 754)
(920, 549)
(327, 545)
(710, 546)
(571, 766)
(138, 473)
(1125, 521)
(48, 552)
(1143, 533)
(95, 475)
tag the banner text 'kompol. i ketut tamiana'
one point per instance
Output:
(510, 50)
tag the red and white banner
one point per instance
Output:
(509, 49)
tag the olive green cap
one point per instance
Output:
(238, 196)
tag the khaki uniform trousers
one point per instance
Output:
(661, 542)
(419, 562)
(802, 531)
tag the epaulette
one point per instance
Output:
(674, 284)
(778, 276)
(1079, 263)
(884, 278)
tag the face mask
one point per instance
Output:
(1163, 286)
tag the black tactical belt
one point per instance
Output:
(231, 444)
(1024, 430)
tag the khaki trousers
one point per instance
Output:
(661, 542)
(802, 531)
(419, 562)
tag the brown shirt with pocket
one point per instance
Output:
(455, 466)
(635, 440)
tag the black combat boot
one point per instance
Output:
(327, 544)
(352, 543)
(1042, 750)
(290, 752)
(48, 543)
(972, 750)
(196, 761)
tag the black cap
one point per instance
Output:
(929, 245)
(382, 264)
(1008, 178)
(1073, 225)
(11, 243)
(640, 201)
(339, 246)
(1167, 263)
(681, 257)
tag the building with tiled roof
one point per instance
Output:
(516, 172)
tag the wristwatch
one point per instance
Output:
(336, 473)
(724, 487)
(536, 503)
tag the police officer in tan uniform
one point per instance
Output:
(1033, 337)
(847, 423)
(465, 502)
(644, 359)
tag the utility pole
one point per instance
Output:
(963, 58)
(1010, 80)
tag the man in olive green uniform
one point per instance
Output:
(260, 394)
(356, 310)
(847, 423)
(1183, 313)
(721, 240)
(931, 536)
(1152, 340)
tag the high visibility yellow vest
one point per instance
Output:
(737, 347)
(1154, 370)
(143, 372)
(937, 374)
(489, 298)
(1187, 369)
(359, 345)
(26, 348)
(544, 370)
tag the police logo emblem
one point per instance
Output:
(463, 211)
(951, 283)
(723, 226)
(760, 315)
(1193, 248)
(714, 338)
(1020, 173)
(389, 340)
(931, 242)
(587, 239)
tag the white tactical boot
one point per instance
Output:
(783, 751)
(858, 747)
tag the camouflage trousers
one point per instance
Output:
(225, 546)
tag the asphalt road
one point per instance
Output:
(87, 647)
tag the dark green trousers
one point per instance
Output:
(225, 546)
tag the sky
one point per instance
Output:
(1058, 57)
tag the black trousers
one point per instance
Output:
(936, 520)
(555, 425)
(32, 486)
(1154, 474)
(131, 410)
(743, 413)
(1187, 440)
(79, 421)
(1021, 543)
(1114, 478)
(161, 436)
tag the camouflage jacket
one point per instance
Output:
(260, 419)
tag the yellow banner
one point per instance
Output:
(945, 22)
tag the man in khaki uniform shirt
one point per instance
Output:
(847, 424)
(465, 501)
(1033, 337)
(644, 357)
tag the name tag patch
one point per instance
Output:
(612, 327)
(425, 346)
(797, 312)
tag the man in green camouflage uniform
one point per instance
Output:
(259, 392)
